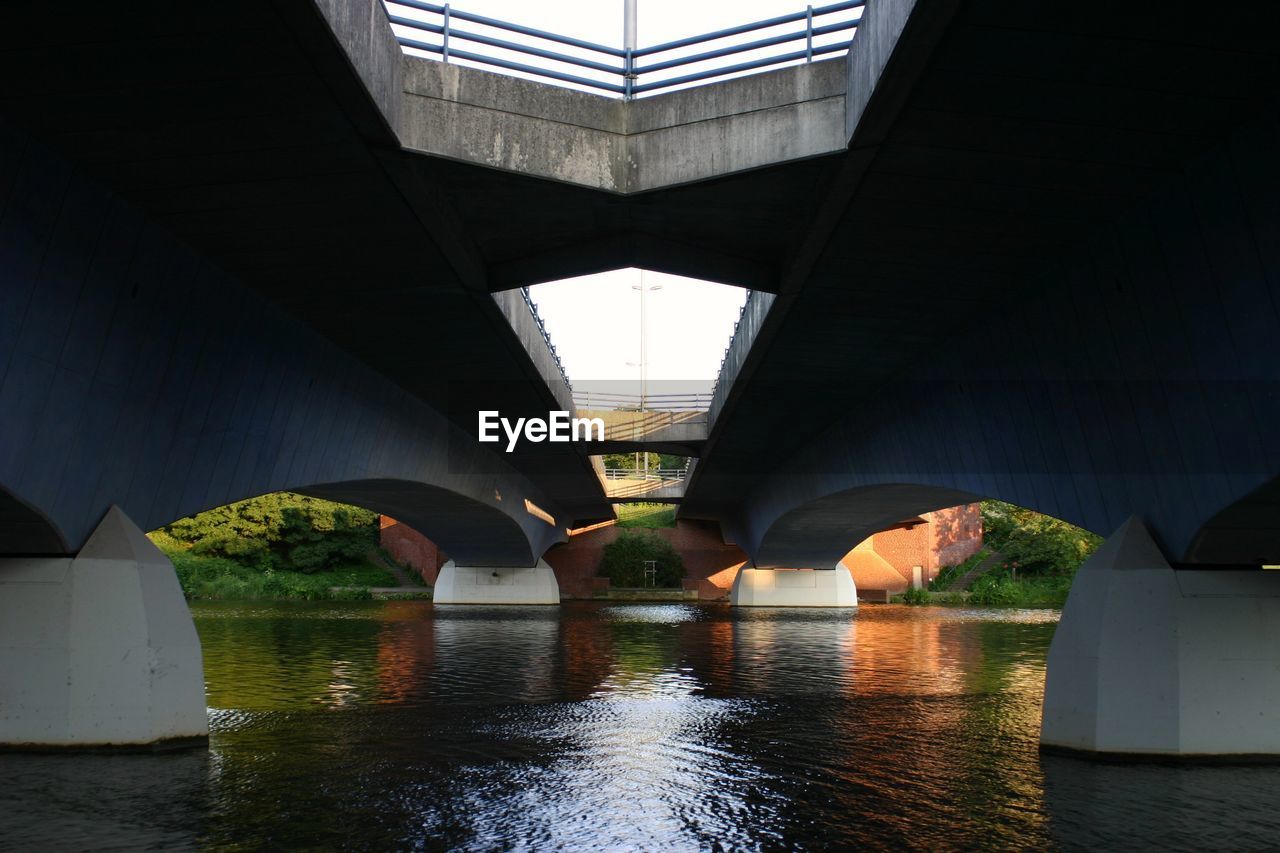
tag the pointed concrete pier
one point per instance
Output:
(99, 650)
(1151, 661)
(486, 585)
(794, 588)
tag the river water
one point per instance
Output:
(380, 725)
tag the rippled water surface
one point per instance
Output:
(398, 725)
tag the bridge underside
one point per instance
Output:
(1044, 269)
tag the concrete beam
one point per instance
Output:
(622, 147)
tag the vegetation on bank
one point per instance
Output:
(276, 546)
(1040, 557)
(623, 561)
(950, 574)
(646, 515)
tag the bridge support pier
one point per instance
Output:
(1155, 662)
(794, 588)
(99, 650)
(487, 585)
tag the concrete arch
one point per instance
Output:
(819, 532)
(1245, 531)
(25, 529)
(469, 531)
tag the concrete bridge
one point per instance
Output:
(1007, 250)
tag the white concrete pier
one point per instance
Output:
(99, 650)
(1151, 661)
(794, 588)
(485, 585)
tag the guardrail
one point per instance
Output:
(607, 401)
(746, 303)
(666, 475)
(542, 327)
(621, 69)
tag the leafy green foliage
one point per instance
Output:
(915, 596)
(950, 574)
(1043, 591)
(1035, 544)
(280, 532)
(204, 577)
(646, 515)
(624, 558)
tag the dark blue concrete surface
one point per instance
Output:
(1138, 375)
(135, 372)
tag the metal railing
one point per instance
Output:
(746, 303)
(596, 400)
(542, 327)
(665, 475)
(621, 70)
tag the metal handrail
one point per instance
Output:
(600, 401)
(542, 327)
(629, 73)
(670, 475)
(729, 347)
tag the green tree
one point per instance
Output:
(281, 531)
(1036, 543)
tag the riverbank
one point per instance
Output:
(989, 591)
(221, 579)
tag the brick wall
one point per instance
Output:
(410, 547)
(947, 537)
(710, 564)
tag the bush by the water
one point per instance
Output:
(624, 559)
(282, 532)
(1034, 591)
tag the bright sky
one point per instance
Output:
(594, 321)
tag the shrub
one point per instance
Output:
(915, 596)
(624, 559)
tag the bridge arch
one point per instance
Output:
(820, 531)
(1245, 531)
(24, 529)
(468, 530)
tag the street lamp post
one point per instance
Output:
(629, 43)
(629, 24)
(644, 351)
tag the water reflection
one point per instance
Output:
(396, 724)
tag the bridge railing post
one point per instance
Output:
(445, 47)
(808, 34)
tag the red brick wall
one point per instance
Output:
(957, 533)
(710, 565)
(948, 536)
(410, 547)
